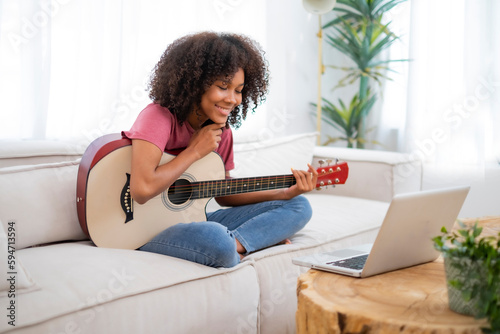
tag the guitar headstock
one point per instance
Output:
(332, 174)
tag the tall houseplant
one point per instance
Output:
(359, 33)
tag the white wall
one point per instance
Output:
(291, 49)
(292, 46)
(484, 195)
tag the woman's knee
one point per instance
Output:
(222, 245)
(301, 205)
(208, 243)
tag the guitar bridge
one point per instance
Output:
(126, 201)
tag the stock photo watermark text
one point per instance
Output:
(11, 274)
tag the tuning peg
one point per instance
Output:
(321, 162)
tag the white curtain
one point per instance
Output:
(452, 91)
(77, 69)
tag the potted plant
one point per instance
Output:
(360, 34)
(472, 266)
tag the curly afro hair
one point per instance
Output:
(191, 64)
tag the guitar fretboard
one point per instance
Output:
(218, 188)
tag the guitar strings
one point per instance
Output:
(209, 191)
(225, 184)
(185, 192)
(195, 190)
(233, 186)
(232, 183)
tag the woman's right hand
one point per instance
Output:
(206, 139)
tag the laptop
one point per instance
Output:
(404, 238)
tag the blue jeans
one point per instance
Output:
(212, 242)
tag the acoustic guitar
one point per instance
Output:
(109, 216)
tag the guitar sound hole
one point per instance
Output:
(180, 192)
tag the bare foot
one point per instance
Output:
(239, 247)
(241, 250)
(285, 242)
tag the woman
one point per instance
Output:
(210, 78)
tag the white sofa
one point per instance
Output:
(56, 281)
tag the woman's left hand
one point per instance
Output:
(306, 181)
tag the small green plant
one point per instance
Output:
(466, 243)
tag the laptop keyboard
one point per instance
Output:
(357, 262)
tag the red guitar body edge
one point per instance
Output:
(97, 150)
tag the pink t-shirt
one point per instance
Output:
(157, 125)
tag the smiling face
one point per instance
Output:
(219, 100)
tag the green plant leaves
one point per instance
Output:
(363, 46)
(347, 118)
(358, 33)
(467, 243)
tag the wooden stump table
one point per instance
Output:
(411, 300)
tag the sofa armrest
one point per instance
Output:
(377, 175)
(32, 152)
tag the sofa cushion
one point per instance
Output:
(40, 199)
(86, 289)
(272, 157)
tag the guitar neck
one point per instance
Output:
(219, 188)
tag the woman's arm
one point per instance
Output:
(306, 181)
(148, 179)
